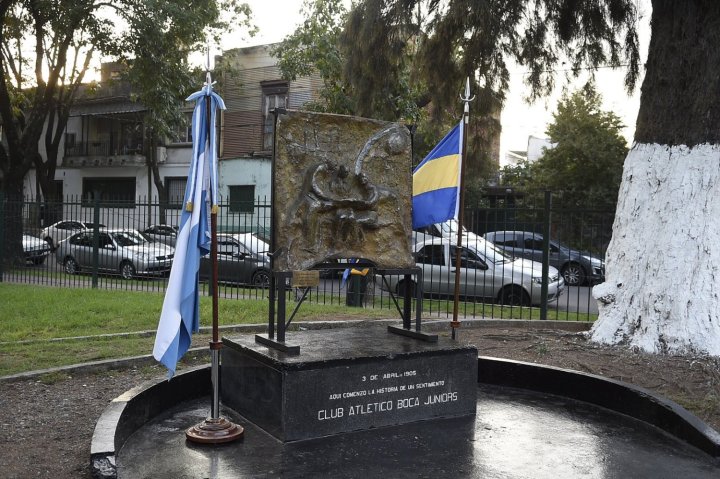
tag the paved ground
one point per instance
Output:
(47, 421)
(515, 434)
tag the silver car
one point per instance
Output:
(485, 272)
(242, 259)
(61, 230)
(165, 234)
(122, 251)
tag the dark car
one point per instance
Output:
(164, 234)
(577, 267)
(242, 259)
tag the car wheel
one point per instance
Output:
(70, 265)
(38, 261)
(127, 270)
(574, 274)
(402, 286)
(261, 279)
(514, 296)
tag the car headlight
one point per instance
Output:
(537, 279)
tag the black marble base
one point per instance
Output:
(347, 380)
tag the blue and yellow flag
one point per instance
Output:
(436, 182)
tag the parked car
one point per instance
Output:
(577, 267)
(242, 259)
(165, 234)
(61, 230)
(123, 251)
(485, 272)
(447, 229)
(35, 250)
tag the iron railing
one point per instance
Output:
(493, 286)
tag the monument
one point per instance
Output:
(342, 190)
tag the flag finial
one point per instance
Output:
(467, 98)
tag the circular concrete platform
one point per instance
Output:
(515, 434)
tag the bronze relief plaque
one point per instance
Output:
(343, 189)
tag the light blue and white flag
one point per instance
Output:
(180, 316)
(436, 182)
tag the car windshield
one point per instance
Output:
(128, 238)
(489, 251)
(92, 225)
(253, 243)
(450, 227)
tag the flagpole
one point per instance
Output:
(215, 344)
(215, 429)
(455, 323)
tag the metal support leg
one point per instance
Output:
(279, 341)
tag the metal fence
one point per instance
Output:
(80, 243)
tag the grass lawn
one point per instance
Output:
(33, 318)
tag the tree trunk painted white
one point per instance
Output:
(662, 288)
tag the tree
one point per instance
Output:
(314, 47)
(660, 292)
(465, 38)
(585, 165)
(322, 44)
(45, 51)
(661, 284)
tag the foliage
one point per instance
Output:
(313, 47)
(159, 72)
(405, 59)
(584, 168)
(460, 38)
(46, 48)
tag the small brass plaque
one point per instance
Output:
(305, 279)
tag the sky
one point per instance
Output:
(278, 18)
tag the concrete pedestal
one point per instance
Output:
(347, 380)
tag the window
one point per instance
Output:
(175, 191)
(431, 254)
(468, 259)
(505, 240)
(534, 243)
(242, 198)
(82, 239)
(119, 191)
(275, 95)
(183, 134)
(69, 140)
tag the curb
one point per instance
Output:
(131, 410)
(434, 325)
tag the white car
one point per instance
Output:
(35, 249)
(486, 272)
(61, 230)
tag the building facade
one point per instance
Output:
(104, 151)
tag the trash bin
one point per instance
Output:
(356, 288)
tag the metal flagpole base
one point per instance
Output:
(214, 431)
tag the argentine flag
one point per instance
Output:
(436, 182)
(180, 316)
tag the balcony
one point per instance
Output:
(104, 153)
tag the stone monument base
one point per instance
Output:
(347, 380)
